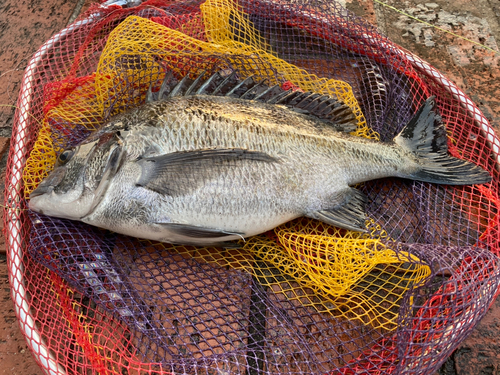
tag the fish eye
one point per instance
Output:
(65, 156)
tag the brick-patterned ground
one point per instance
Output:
(25, 25)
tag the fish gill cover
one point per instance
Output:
(305, 298)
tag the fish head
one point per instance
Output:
(80, 178)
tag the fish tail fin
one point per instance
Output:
(425, 135)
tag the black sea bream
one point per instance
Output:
(219, 159)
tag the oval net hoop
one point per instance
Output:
(304, 298)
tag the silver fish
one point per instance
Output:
(221, 159)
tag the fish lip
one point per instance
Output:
(47, 185)
(41, 190)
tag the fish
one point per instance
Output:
(207, 161)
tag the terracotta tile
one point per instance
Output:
(24, 27)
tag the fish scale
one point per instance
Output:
(203, 169)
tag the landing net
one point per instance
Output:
(305, 298)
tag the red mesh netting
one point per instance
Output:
(94, 302)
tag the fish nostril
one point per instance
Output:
(56, 176)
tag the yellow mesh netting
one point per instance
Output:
(40, 161)
(141, 48)
(76, 110)
(342, 273)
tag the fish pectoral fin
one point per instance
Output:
(181, 172)
(348, 215)
(195, 235)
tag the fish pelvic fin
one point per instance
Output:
(425, 136)
(186, 234)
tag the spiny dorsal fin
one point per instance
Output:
(322, 107)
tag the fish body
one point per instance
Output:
(204, 169)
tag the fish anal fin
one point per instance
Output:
(182, 172)
(349, 214)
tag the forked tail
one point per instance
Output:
(425, 135)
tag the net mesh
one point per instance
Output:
(304, 298)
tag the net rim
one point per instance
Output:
(19, 147)
(14, 237)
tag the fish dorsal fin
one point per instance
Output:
(322, 107)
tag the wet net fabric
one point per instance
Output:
(305, 298)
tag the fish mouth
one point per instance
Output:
(41, 190)
(47, 185)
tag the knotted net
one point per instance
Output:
(305, 298)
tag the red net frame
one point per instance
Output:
(390, 355)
